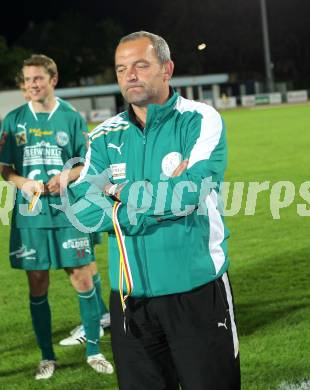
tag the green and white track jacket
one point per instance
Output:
(174, 234)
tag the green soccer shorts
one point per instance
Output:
(42, 249)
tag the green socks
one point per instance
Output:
(41, 321)
(97, 283)
(89, 310)
(92, 308)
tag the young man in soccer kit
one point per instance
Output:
(77, 335)
(37, 139)
(159, 166)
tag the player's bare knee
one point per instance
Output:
(81, 278)
(38, 282)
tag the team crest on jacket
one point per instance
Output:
(170, 162)
(62, 138)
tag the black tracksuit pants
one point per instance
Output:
(186, 339)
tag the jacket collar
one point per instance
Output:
(155, 112)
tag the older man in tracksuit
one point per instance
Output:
(155, 172)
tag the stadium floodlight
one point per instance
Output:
(202, 46)
(268, 63)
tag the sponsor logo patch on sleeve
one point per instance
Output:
(118, 171)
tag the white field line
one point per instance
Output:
(305, 385)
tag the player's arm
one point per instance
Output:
(60, 181)
(89, 206)
(9, 174)
(28, 186)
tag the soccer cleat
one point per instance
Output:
(99, 363)
(45, 369)
(105, 320)
(78, 336)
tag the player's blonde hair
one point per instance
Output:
(19, 79)
(42, 60)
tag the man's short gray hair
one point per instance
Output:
(160, 45)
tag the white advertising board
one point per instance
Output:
(297, 96)
(100, 115)
(225, 103)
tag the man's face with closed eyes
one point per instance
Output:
(140, 75)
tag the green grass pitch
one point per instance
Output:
(269, 271)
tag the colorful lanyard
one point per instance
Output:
(124, 267)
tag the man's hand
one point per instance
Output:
(58, 183)
(113, 190)
(31, 187)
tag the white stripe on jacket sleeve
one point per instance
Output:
(210, 130)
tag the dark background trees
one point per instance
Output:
(10, 60)
(80, 46)
(81, 36)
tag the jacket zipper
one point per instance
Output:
(144, 261)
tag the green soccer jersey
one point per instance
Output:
(38, 145)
